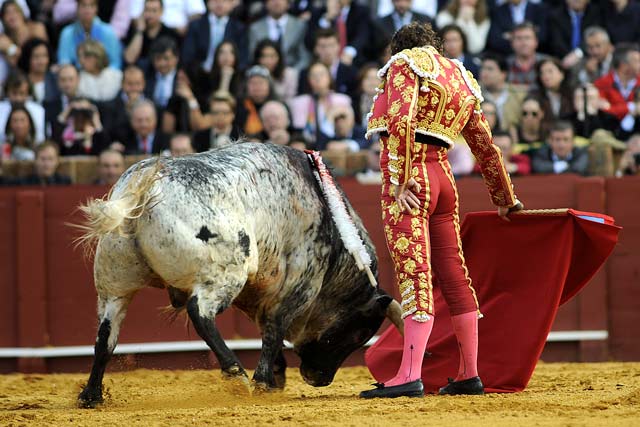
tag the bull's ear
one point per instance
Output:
(383, 301)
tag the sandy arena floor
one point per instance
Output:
(606, 394)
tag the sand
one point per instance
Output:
(603, 394)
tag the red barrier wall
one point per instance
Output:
(49, 299)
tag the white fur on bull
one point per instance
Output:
(347, 229)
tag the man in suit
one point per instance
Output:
(599, 53)
(510, 14)
(327, 51)
(506, 97)
(222, 108)
(161, 81)
(143, 138)
(68, 80)
(353, 24)
(402, 15)
(143, 31)
(110, 167)
(116, 114)
(567, 23)
(45, 167)
(522, 63)
(161, 85)
(284, 28)
(206, 33)
(560, 155)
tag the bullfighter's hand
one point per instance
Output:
(406, 195)
(504, 211)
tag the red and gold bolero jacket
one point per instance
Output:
(426, 93)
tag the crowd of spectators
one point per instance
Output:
(173, 77)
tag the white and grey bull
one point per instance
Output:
(245, 225)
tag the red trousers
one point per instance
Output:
(425, 244)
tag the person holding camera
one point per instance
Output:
(83, 133)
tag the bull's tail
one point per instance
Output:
(119, 214)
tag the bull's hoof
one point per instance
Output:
(234, 371)
(236, 381)
(264, 388)
(89, 398)
(280, 380)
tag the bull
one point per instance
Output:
(245, 225)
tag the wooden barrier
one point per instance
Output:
(49, 298)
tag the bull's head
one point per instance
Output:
(349, 330)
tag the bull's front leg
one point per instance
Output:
(270, 372)
(280, 370)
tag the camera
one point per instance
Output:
(82, 113)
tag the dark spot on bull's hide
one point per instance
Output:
(244, 242)
(205, 234)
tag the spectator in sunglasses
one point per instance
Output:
(528, 135)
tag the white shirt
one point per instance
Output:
(560, 165)
(176, 12)
(401, 21)
(164, 88)
(426, 7)
(217, 27)
(103, 87)
(274, 32)
(518, 12)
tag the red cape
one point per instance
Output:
(522, 271)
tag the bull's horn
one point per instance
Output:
(394, 313)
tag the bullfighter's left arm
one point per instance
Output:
(403, 87)
(477, 133)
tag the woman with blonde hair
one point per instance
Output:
(98, 81)
(470, 15)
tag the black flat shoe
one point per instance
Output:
(471, 385)
(411, 389)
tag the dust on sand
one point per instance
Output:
(597, 394)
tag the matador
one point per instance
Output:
(425, 101)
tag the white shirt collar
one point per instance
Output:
(213, 19)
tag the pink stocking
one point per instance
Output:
(416, 335)
(465, 327)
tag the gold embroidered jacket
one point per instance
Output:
(424, 92)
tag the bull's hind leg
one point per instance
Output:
(207, 301)
(113, 311)
(119, 272)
